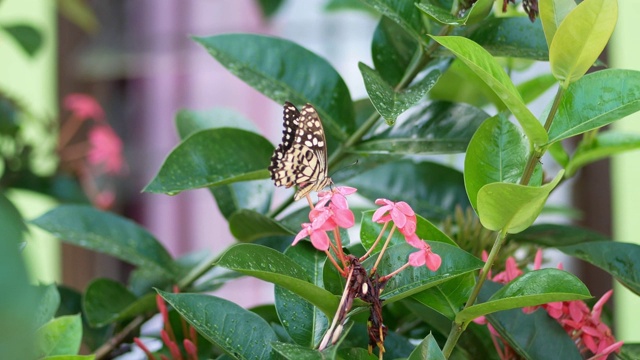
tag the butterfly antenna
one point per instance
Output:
(344, 168)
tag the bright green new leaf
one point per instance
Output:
(618, 259)
(106, 301)
(497, 153)
(486, 67)
(580, 39)
(391, 103)
(552, 13)
(428, 349)
(512, 207)
(531, 289)
(213, 157)
(48, 303)
(60, 336)
(217, 319)
(605, 144)
(247, 225)
(107, 233)
(269, 265)
(596, 100)
(285, 71)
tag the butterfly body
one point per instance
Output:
(301, 157)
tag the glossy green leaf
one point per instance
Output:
(48, 303)
(428, 349)
(523, 331)
(437, 128)
(106, 301)
(605, 144)
(213, 157)
(295, 352)
(269, 265)
(248, 225)
(512, 207)
(533, 288)
(497, 153)
(107, 233)
(596, 100)
(304, 322)
(29, 38)
(449, 297)
(425, 230)
(533, 88)
(512, 37)
(403, 13)
(217, 319)
(285, 71)
(392, 50)
(60, 336)
(485, 66)
(552, 13)
(618, 259)
(554, 235)
(455, 262)
(580, 39)
(433, 190)
(391, 103)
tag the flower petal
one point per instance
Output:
(320, 240)
(398, 217)
(405, 208)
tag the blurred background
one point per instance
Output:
(89, 91)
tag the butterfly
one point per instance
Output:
(301, 158)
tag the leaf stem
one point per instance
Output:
(457, 328)
(104, 350)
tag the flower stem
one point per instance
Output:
(389, 276)
(458, 328)
(339, 252)
(384, 247)
(375, 243)
(333, 261)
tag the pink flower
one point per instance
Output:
(338, 208)
(316, 230)
(105, 199)
(106, 149)
(425, 256)
(400, 212)
(84, 107)
(510, 272)
(337, 196)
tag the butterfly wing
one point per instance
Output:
(301, 158)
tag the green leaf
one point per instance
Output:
(597, 99)
(213, 157)
(403, 13)
(269, 265)
(460, 84)
(28, 37)
(533, 88)
(437, 128)
(392, 50)
(107, 233)
(552, 13)
(515, 37)
(60, 336)
(391, 103)
(605, 144)
(497, 153)
(269, 7)
(338, 5)
(428, 349)
(478, 11)
(630, 351)
(218, 319)
(48, 303)
(533, 288)
(580, 39)
(455, 262)
(302, 321)
(433, 190)
(70, 357)
(485, 66)
(535, 336)
(248, 225)
(559, 154)
(106, 301)
(425, 230)
(449, 297)
(618, 259)
(512, 207)
(285, 71)
(297, 352)
(554, 235)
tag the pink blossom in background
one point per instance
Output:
(105, 199)
(106, 149)
(84, 107)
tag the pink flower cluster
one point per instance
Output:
(404, 218)
(583, 325)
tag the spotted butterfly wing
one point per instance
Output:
(301, 158)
